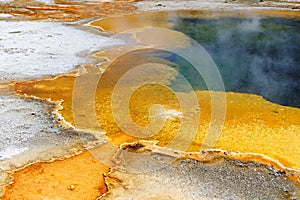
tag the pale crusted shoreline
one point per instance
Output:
(220, 5)
(160, 173)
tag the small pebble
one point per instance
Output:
(71, 187)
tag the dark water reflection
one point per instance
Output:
(254, 55)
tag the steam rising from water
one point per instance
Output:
(254, 55)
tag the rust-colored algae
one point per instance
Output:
(79, 177)
(252, 124)
(68, 11)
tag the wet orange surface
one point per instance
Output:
(65, 10)
(79, 177)
(252, 124)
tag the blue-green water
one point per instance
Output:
(254, 55)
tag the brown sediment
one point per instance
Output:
(79, 177)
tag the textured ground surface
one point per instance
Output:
(29, 132)
(43, 49)
(153, 175)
